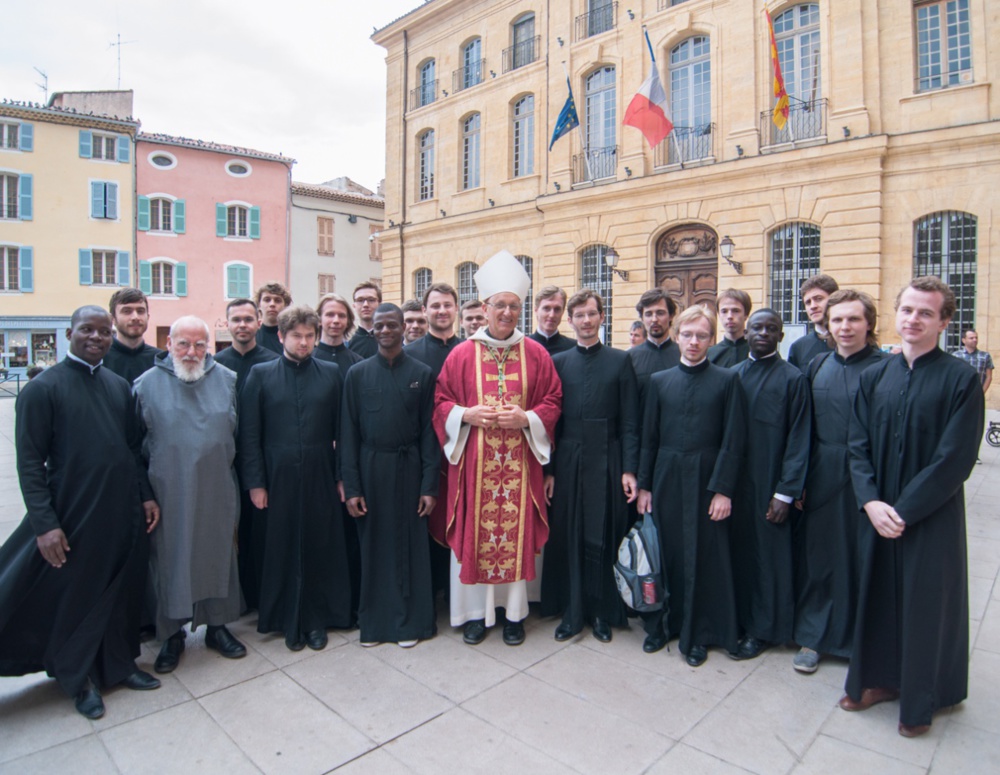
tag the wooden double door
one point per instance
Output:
(687, 265)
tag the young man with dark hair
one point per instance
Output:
(129, 355)
(414, 321)
(289, 419)
(550, 304)
(815, 291)
(389, 459)
(270, 300)
(659, 352)
(473, 317)
(772, 477)
(734, 308)
(914, 434)
(591, 479)
(367, 296)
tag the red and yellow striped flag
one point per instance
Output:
(780, 114)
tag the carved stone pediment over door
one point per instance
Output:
(687, 264)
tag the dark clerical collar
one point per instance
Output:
(697, 368)
(545, 336)
(82, 362)
(752, 357)
(860, 355)
(294, 364)
(439, 341)
(656, 346)
(333, 348)
(593, 348)
(733, 342)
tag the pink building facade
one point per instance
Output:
(212, 224)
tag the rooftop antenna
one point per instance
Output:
(43, 86)
(118, 44)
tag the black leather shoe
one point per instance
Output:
(696, 656)
(293, 642)
(750, 648)
(513, 633)
(141, 681)
(170, 653)
(654, 643)
(317, 640)
(602, 630)
(474, 632)
(220, 639)
(89, 703)
(565, 631)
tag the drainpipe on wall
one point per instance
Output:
(402, 190)
(288, 228)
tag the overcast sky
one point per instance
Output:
(297, 77)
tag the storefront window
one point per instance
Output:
(43, 349)
(18, 348)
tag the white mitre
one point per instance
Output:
(502, 274)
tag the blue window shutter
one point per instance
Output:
(142, 213)
(86, 268)
(96, 199)
(111, 192)
(86, 144)
(181, 278)
(26, 137)
(179, 213)
(124, 267)
(244, 275)
(26, 188)
(220, 220)
(145, 277)
(27, 261)
(232, 282)
(124, 147)
(254, 223)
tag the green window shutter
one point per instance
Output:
(220, 220)
(142, 214)
(86, 268)
(232, 282)
(26, 187)
(124, 267)
(179, 213)
(26, 257)
(254, 223)
(181, 278)
(96, 199)
(124, 148)
(86, 144)
(111, 201)
(244, 275)
(26, 137)
(145, 277)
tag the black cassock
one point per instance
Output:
(777, 456)
(340, 354)
(826, 536)
(804, 349)
(692, 447)
(647, 359)
(597, 440)
(288, 425)
(557, 343)
(363, 343)
(728, 353)
(128, 362)
(432, 351)
(78, 461)
(249, 556)
(267, 336)
(914, 438)
(390, 457)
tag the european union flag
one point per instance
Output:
(567, 120)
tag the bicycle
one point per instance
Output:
(993, 434)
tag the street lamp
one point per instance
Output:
(726, 249)
(611, 261)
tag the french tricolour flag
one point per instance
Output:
(648, 111)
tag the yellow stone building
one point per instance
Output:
(886, 167)
(67, 218)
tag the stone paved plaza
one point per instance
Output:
(543, 707)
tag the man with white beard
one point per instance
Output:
(187, 405)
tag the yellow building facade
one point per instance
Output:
(885, 168)
(67, 226)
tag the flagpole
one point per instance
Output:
(579, 125)
(673, 134)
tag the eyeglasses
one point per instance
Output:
(687, 336)
(366, 300)
(183, 344)
(506, 307)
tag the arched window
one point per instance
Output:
(601, 151)
(524, 43)
(471, 72)
(690, 100)
(422, 280)
(944, 244)
(596, 275)
(525, 322)
(425, 179)
(794, 257)
(427, 91)
(470, 152)
(796, 34)
(465, 285)
(523, 136)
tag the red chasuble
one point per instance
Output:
(496, 514)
